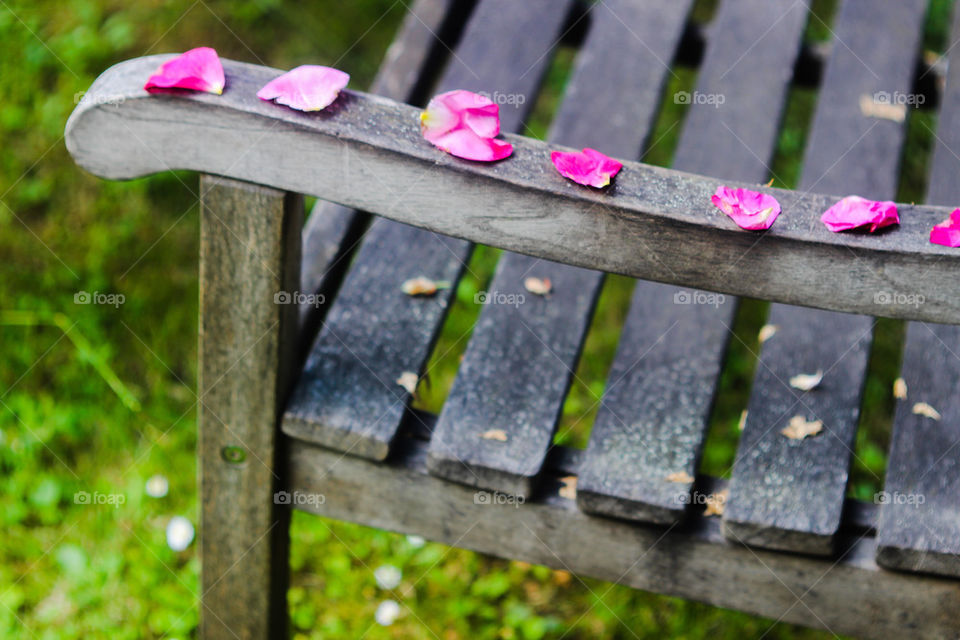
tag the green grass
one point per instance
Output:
(97, 398)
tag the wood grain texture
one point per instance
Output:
(347, 397)
(919, 527)
(249, 250)
(788, 494)
(520, 204)
(848, 595)
(652, 422)
(521, 358)
(332, 231)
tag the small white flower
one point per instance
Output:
(179, 533)
(416, 541)
(387, 576)
(387, 613)
(157, 486)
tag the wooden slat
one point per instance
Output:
(849, 595)
(919, 527)
(788, 494)
(521, 204)
(653, 418)
(249, 249)
(347, 397)
(332, 230)
(520, 361)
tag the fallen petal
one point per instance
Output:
(464, 124)
(198, 69)
(681, 477)
(766, 332)
(853, 211)
(925, 410)
(569, 488)
(947, 233)
(308, 87)
(588, 167)
(716, 503)
(806, 381)
(900, 389)
(408, 380)
(750, 210)
(419, 286)
(538, 286)
(800, 428)
(495, 434)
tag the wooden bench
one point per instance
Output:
(305, 400)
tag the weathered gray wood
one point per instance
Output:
(919, 528)
(788, 494)
(332, 230)
(519, 204)
(249, 250)
(693, 561)
(649, 431)
(520, 361)
(347, 396)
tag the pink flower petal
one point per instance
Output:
(307, 88)
(751, 210)
(198, 69)
(464, 124)
(853, 211)
(947, 232)
(588, 167)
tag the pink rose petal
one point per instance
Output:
(198, 69)
(307, 88)
(751, 210)
(947, 232)
(464, 124)
(853, 211)
(588, 167)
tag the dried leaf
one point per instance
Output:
(743, 420)
(800, 428)
(716, 503)
(495, 434)
(885, 110)
(679, 476)
(538, 286)
(408, 380)
(766, 332)
(923, 409)
(806, 381)
(421, 286)
(569, 488)
(900, 389)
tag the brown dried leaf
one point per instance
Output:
(743, 420)
(716, 503)
(885, 110)
(569, 488)
(408, 380)
(495, 434)
(806, 381)
(538, 286)
(923, 409)
(900, 389)
(679, 476)
(800, 428)
(766, 332)
(419, 286)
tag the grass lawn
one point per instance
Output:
(98, 398)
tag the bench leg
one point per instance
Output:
(249, 251)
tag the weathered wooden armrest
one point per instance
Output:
(367, 152)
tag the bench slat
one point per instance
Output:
(923, 462)
(331, 231)
(788, 494)
(347, 397)
(521, 358)
(653, 418)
